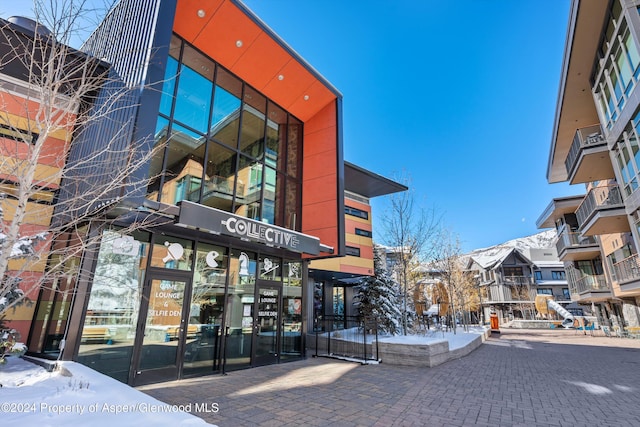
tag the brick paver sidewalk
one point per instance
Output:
(517, 378)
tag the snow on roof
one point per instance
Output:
(492, 257)
(543, 264)
(551, 282)
(488, 258)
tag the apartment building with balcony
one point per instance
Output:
(509, 278)
(594, 145)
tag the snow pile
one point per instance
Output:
(77, 395)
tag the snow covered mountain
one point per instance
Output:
(542, 240)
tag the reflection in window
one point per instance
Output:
(242, 269)
(239, 317)
(226, 109)
(206, 310)
(248, 201)
(112, 311)
(270, 268)
(220, 177)
(252, 133)
(172, 252)
(184, 157)
(228, 146)
(292, 310)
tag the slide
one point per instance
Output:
(568, 317)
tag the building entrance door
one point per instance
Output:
(162, 327)
(267, 324)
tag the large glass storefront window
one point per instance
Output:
(226, 143)
(195, 305)
(172, 252)
(291, 310)
(206, 310)
(239, 313)
(55, 297)
(112, 312)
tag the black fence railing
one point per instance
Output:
(353, 337)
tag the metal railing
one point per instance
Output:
(588, 283)
(502, 293)
(583, 138)
(516, 280)
(567, 239)
(358, 339)
(628, 269)
(598, 198)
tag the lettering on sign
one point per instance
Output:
(268, 313)
(260, 232)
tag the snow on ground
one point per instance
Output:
(457, 339)
(77, 395)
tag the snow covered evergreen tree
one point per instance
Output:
(378, 297)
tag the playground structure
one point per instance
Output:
(545, 304)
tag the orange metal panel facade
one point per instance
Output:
(241, 44)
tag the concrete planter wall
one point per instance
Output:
(428, 355)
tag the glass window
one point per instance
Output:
(292, 310)
(538, 275)
(227, 145)
(363, 233)
(172, 252)
(252, 133)
(247, 202)
(170, 75)
(615, 83)
(291, 205)
(220, 177)
(242, 269)
(239, 317)
(155, 167)
(558, 275)
(350, 250)
(632, 52)
(356, 212)
(625, 70)
(276, 136)
(270, 268)
(206, 310)
(184, 161)
(338, 307)
(270, 188)
(112, 311)
(292, 273)
(544, 291)
(512, 271)
(226, 108)
(193, 100)
(294, 138)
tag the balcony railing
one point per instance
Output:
(501, 293)
(568, 240)
(585, 137)
(628, 269)
(598, 198)
(516, 280)
(588, 283)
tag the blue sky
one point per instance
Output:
(458, 95)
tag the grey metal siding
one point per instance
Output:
(134, 40)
